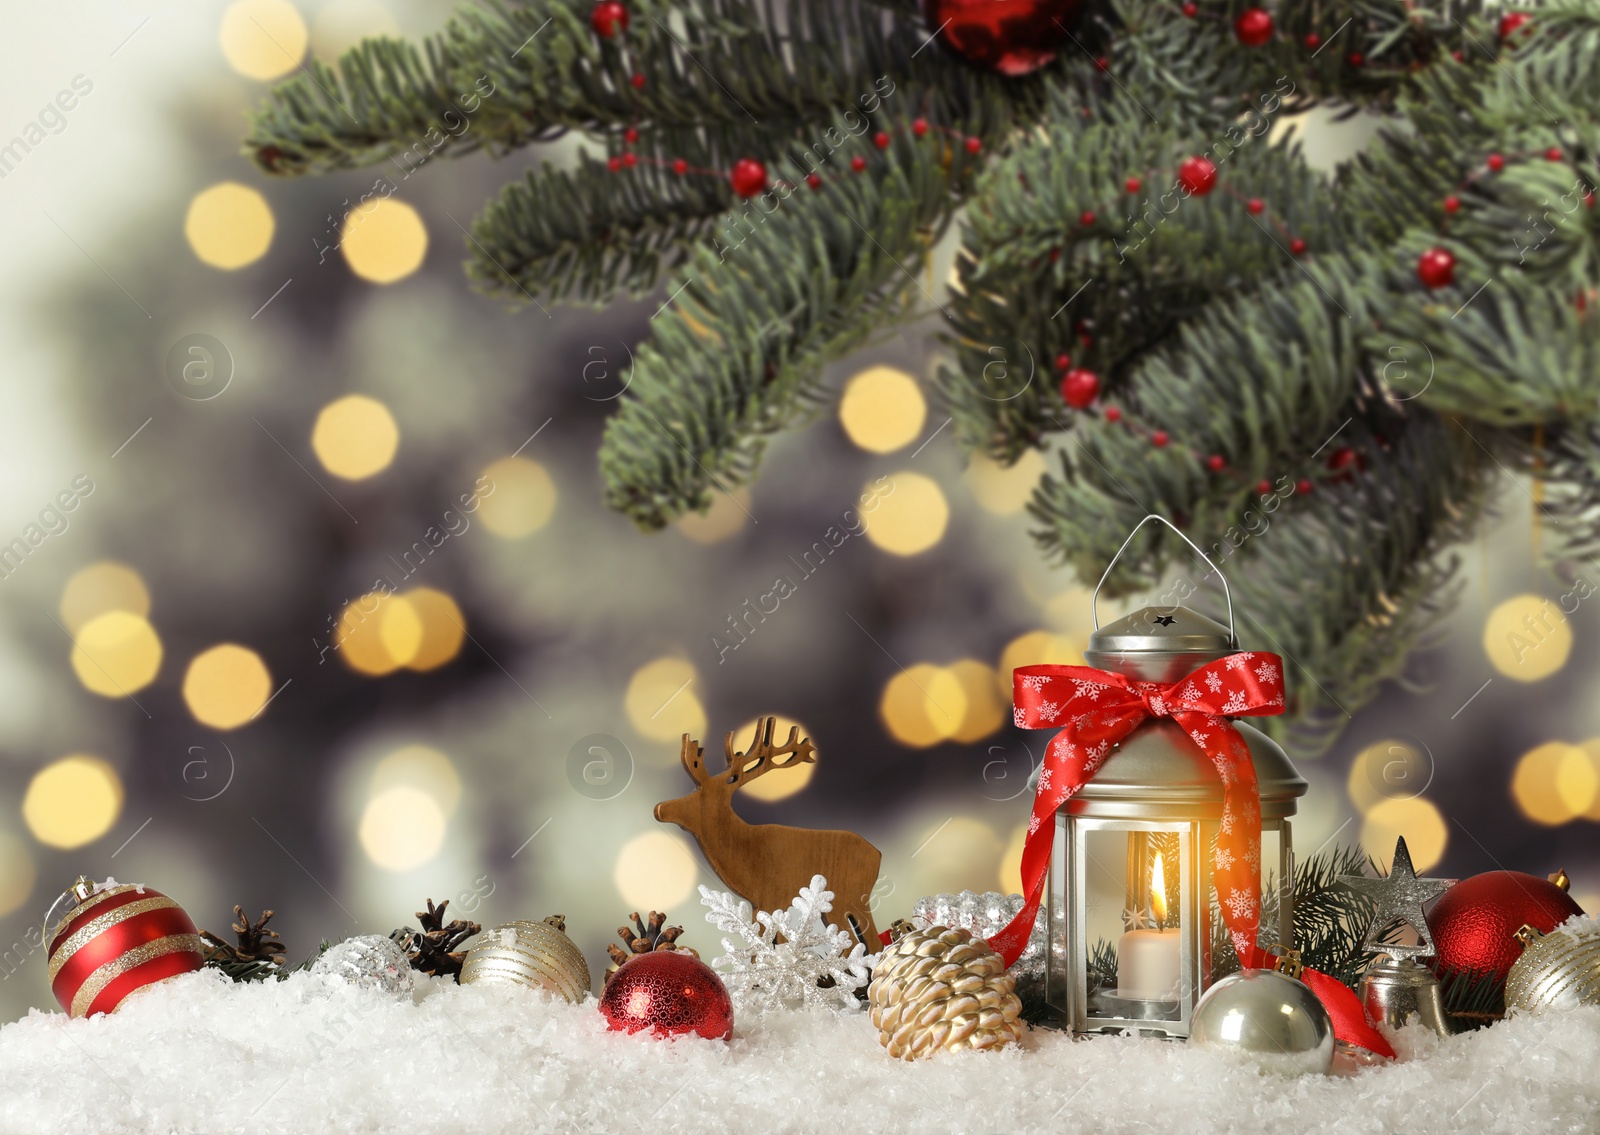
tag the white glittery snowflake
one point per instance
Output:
(763, 973)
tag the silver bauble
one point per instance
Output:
(369, 961)
(1558, 970)
(1273, 1020)
(984, 916)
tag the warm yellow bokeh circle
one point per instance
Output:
(911, 518)
(522, 500)
(73, 801)
(343, 24)
(1555, 782)
(656, 870)
(882, 409)
(99, 588)
(923, 705)
(369, 630)
(423, 768)
(1416, 818)
(661, 702)
(726, 516)
(1387, 769)
(355, 437)
(985, 710)
(229, 225)
(1036, 648)
(780, 783)
(1005, 489)
(384, 241)
(1527, 638)
(442, 626)
(116, 654)
(226, 686)
(262, 39)
(17, 873)
(402, 828)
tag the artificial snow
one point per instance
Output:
(199, 1054)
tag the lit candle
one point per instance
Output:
(1148, 961)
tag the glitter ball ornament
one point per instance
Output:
(1012, 37)
(1474, 924)
(669, 993)
(941, 988)
(535, 954)
(1267, 1017)
(1558, 970)
(116, 938)
(985, 915)
(368, 961)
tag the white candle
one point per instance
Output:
(1147, 965)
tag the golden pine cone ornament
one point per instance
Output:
(942, 989)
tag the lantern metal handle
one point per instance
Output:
(1094, 602)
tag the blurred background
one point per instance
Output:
(308, 600)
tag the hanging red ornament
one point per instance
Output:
(1079, 388)
(1495, 162)
(1255, 205)
(1012, 37)
(1254, 27)
(1511, 23)
(1198, 176)
(670, 993)
(609, 18)
(1436, 268)
(680, 167)
(630, 135)
(118, 938)
(749, 177)
(1474, 923)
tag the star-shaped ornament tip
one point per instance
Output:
(1400, 896)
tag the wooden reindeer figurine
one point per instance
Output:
(767, 864)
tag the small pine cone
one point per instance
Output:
(943, 989)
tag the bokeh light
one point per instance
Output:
(73, 801)
(442, 628)
(421, 767)
(1004, 489)
(384, 241)
(343, 24)
(1527, 638)
(400, 630)
(1591, 748)
(655, 871)
(402, 828)
(1036, 648)
(1011, 861)
(360, 637)
(1381, 770)
(923, 705)
(882, 409)
(522, 501)
(725, 517)
(1414, 817)
(116, 654)
(952, 853)
(355, 437)
(1554, 783)
(911, 518)
(226, 686)
(99, 588)
(780, 783)
(17, 873)
(262, 39)
(985, 710)
(229, 225)
(661, 703)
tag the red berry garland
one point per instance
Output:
(1191, 9)
(1436, 268)
(1254, 27)
(1263, 488)
(881, 140)
(1452, 203)
(1113, 414)
(1555, 154)
(1063, 362)
(1216, 463)
(1133, 185)
(1313, 41)
(680, 167)
(919, 127)
(1159, 439)
(1255, 205)
(1511, 23)
(749, 177)
(974, 145)
(1198, 176)
(1495, 162)
(1297, 247)
(1080, 388)
(857, 163)
(813, 181)
(1086, 219)
(609, 18)
(1302, 486)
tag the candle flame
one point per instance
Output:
(1158, 891)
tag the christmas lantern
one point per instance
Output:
(1149, 794)
(115, 938)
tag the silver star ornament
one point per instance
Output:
(1400, 896)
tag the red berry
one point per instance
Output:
(1313, 41)
(630, 135)
(814, 181)
(1101, 63)
(1457, 55)
(749, 177)
(1255, 205)
(1356, 59)
(1588, 200)
(974, 145)
(614, 163)
(1055, 254)
(919, 127)
(1113, 414)
(1191, 9)
(1086, 340)
(1132, 185)
(608, 18)
(1297, 246)
(1554, 154)
(1496, 162)
(1198, 176)
(881, 140)
(1341, 458)
(1302, 486)
(1254, 27)
(858, 163)
(680, 167)
(1511, 22)
(1216, 463)
(1086, 219)
(1080, 388)
(1159, 439)
(1452, 203)
(1263, 488)
(1436, 268)
(630, 160)
(637, 80)
(1063, 362)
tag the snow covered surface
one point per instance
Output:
(197, 1054)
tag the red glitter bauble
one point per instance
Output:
(1474, 923)
(670, 993)
(608, 18)
(1012, 37)
(1198, 176)
(1253, 27)
(118, 940)
(1436, 268)
(1079, 388)
(749, 177)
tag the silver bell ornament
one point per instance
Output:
(368, 961)
(1269, 1018)
(1558, 970)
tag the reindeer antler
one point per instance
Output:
(693, 757)
(761, 757)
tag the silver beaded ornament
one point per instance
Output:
(368, 961)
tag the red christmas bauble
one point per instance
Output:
(1511, 22)
(1198, 176)
(609, 18)
(1436, 268)
(669, 992)
(749, 177)
(1474, 923)
(1012, 37)
(1079, 388)
(1254, 27)
(117, 940)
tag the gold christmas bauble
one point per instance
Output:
(1558, 970)
(535, 954)
(939, 989)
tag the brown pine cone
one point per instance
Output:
(943, 989)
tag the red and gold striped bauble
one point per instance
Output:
(118, 939)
